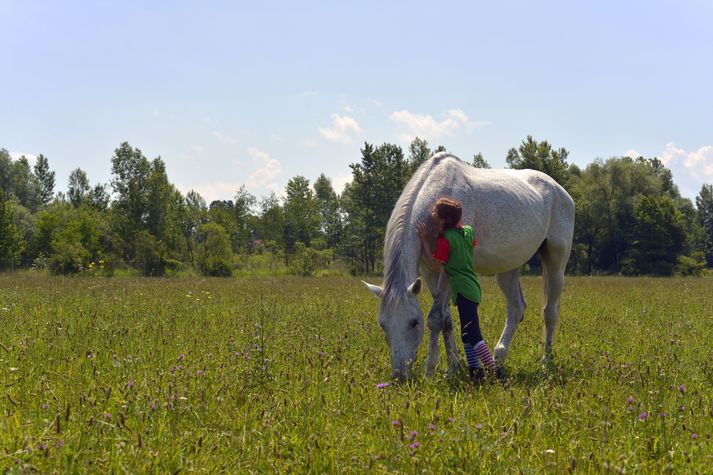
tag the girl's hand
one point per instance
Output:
(421, 230)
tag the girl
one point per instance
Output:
(454, 252)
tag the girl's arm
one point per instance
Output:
(435, 265)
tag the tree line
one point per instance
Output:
(630, 217)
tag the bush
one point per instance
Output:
(68, 258)
(691, 265)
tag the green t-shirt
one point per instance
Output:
(457, 255)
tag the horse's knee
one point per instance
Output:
(435, 321)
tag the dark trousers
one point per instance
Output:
(469, 322)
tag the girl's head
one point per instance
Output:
(447, 211)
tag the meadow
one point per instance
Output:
(265, 375)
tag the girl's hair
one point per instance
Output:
(450, 211)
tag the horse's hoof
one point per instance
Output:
(500, 354)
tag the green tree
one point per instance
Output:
(704, 204)
(196, 215)
(271, 223)
(244, 217)
(377, 182)
(479, 161)
(330, 220)
(659, 235)
(301, 214)
(78, 189)
(540, 156)
(10, 245)
(214, 251)
(418, 153)
(45, 181)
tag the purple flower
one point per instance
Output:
(431, 427)
(479, 426)
(382, 385)
(663, 415)
(630, 408)
(130, 384)
(45, 406)
(681, 388)
(200, 373)
(682, 408)
(153, 406)
(694, 436)
(60, 443)
(414, 446)
(412, 435)
(451, 419)
(181, 356)
(630, 400)
(643, 416)
(396, 423)
(107, 416)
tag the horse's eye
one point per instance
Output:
(414, 323)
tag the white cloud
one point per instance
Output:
(341, 128)
(31, 158)
(632, 154)
(691, 170)
(264, 176)
(426, 127)
(697, 163)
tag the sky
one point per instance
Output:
(232, 93)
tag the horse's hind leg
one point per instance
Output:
(509, 283)
(554, 260)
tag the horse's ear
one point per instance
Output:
(375, 289)
(415, 288)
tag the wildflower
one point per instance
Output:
(107, 416)
(60, 443)
(682, 408)
(643, 416)
(479, 426)
(130, 384)
(181, 356)
(694, 436)
(630, 408)
(432, 427)
(153, 406)
(45, 406)
(630, 400)
(382, 385)
(199, 373)
(681, 388)
(412, 435)
(451, 419)
(663, 415)
(414, 446)
(396, 423)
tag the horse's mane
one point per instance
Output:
(395, 269)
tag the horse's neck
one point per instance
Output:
(402, 261)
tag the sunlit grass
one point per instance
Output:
(279, 374)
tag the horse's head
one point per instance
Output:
(402, 322)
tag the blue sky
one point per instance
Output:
(254, 93)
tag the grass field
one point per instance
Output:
(276, 375)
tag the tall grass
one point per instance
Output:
(280, 374)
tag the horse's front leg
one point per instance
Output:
(435, 326)
(452, 354)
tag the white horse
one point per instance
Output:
(514, 214)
